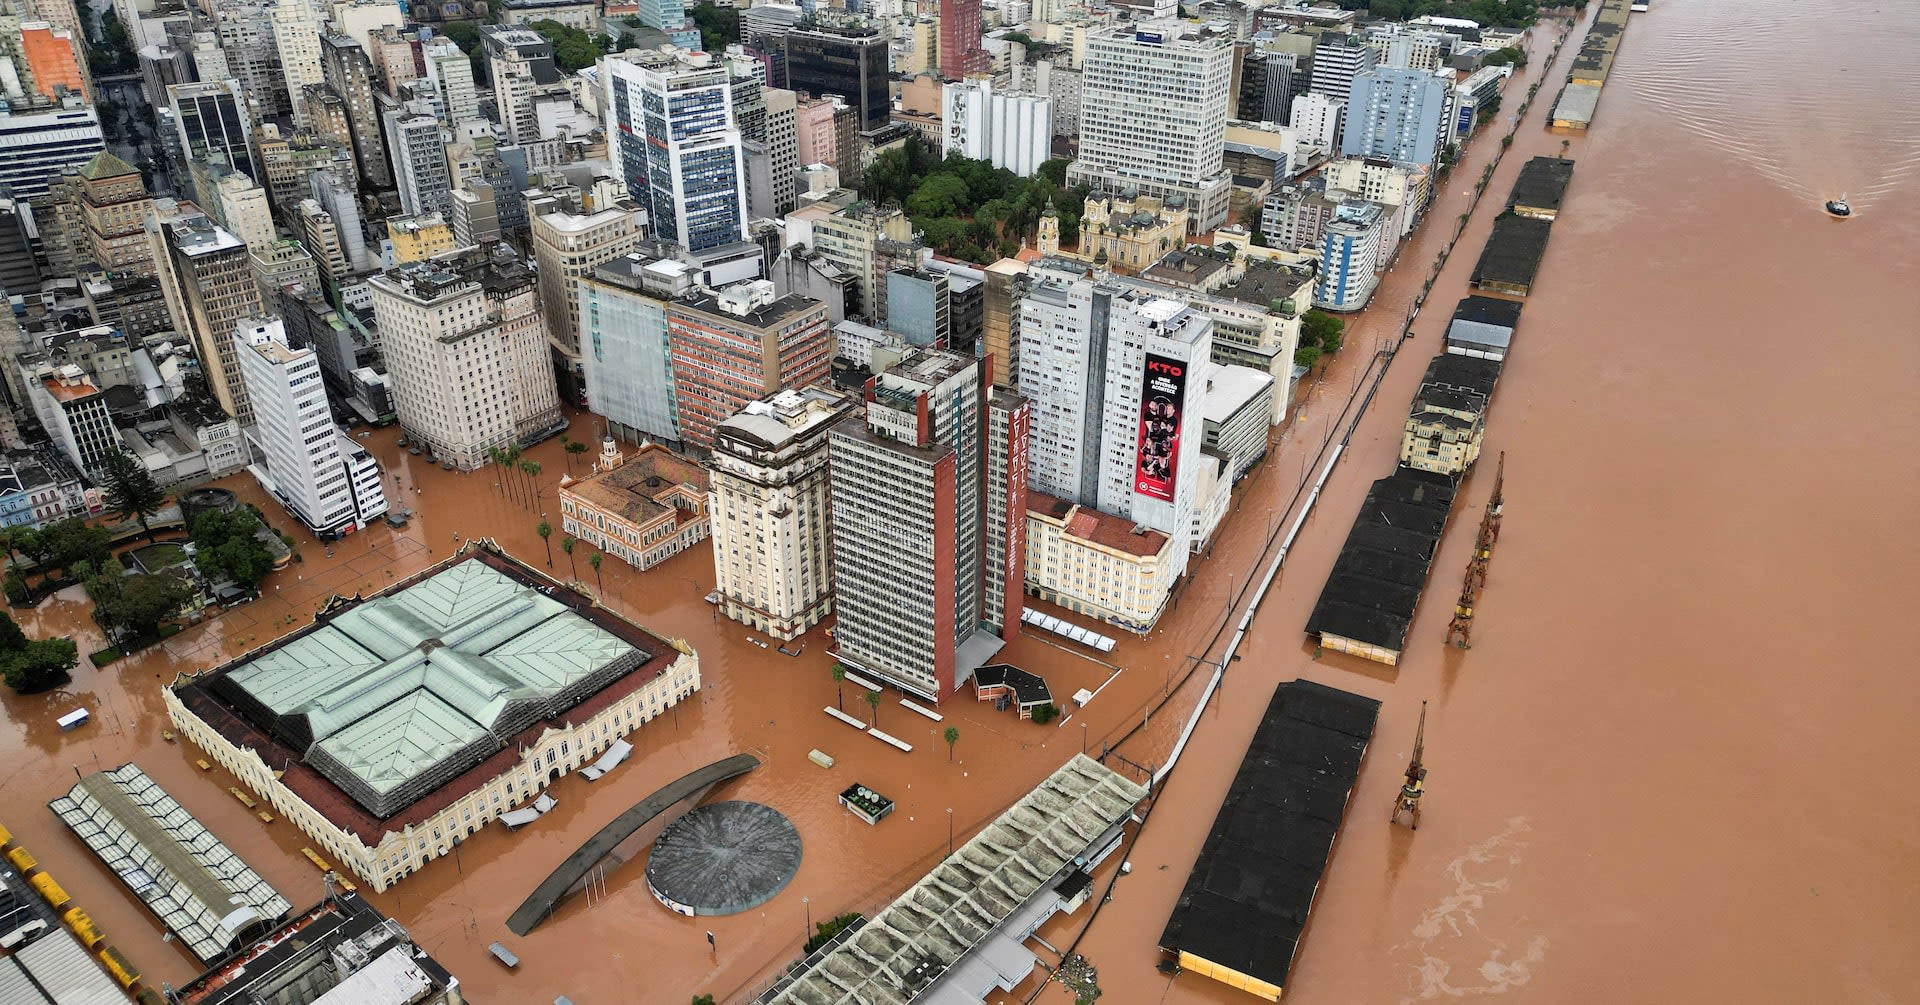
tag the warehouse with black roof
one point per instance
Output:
(1370, 597)
(1512, 257)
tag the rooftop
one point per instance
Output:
(1246, 902)
(388, 708)
(1542, 184)
(1376, 581)
(788, 415)
(1231, 388)
(632, 490)
(330, 946)
(1513, 252)
(1104, 529)
(1488, 311)
(913, 942)
(773, 314)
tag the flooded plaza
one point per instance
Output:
(1671, 768)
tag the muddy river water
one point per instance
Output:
(1674, 766)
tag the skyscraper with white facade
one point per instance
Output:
(670, 119)
(1115, 377)
(451, 72)
(326, 479)
(567, 247)
(39, 140)
(296, 37)
(419, 162)
(1014, 131)
(1350, 256)
(1153, 115)
(1318, 119)
(1401, 115)
(1337, 59)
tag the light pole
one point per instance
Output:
(807, 932)
(1083, 738)
(950, 827)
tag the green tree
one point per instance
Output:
(532, 470)
(1306, 356)
(64, 542)
(30, 665)
(719, 26)
(130, 489)
(940, 195)
(545, 530)
(594, 560)
(566, 547)
(839, 677)
(573, 49)
(227, 546)
(574, 449)
(137, 604)
(1046, 713)
(873, 702)
(1321, 329)
(952, 735)
(1509, 55)
(702, 1000)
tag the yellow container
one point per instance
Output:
(118, 966)
(6, 836)
(23, 860)
(82, 928)
(50, 891)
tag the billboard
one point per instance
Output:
(1163, 395)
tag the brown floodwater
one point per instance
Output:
(1670, 769)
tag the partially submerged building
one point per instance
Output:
(1483, 327)
(1369, 600)
(340, 951)
(641, 508)
(395, 726)
(1240, 917)
(960, 932)
(199, 889)
(1542, 184)
(1448, 420)
(1512, 256)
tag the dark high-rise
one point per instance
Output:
(848, 62)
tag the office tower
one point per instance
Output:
(281, 263)
(926, 484)
(1349, 256)
(296, 36)
(814, 132)
(210, 289)
(349, 73)
(1116, 377)
(336, 193)
(1266, 86)
(920, 307)
(1014, 131)
(1337, 59)
(1005, 286)
(419, 162)
(771, 510)
(783, 149)
(850, 63)
(566, 249)
(849, 239)
(626, 357)
(748, 93)
(467, 355)
(451, 72)
(239, 206)
(73, 411)
(666, 15)
(1399, 115)
(114, 206)
(212, 126)
(474, 215)
(1319, 119)
(960, 52)
(1153, 115)
(684, 167)
(741, 344)
(326, 479)
(521, 64)
(52, 61)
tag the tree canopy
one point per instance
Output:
(227, 546)
(61, 544)
(130, 488)
(573, 49)
(969, 208)
(1497, 13)
(134, 606)
(30, 665)
(719, 26)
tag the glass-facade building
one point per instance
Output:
(848, 62)
(624, 349)
(678, 148)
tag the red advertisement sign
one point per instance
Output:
(1163, 392)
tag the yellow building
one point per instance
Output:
(1097, 564)
(1128, 232)
(642, 508)
(418, 238)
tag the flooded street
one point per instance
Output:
(1672, 768)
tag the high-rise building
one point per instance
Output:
(741, 344)
(849, 239)
(783, 150)
(210, 289)
(326, 479)
(467, 356)
(1319, 119)
(52, 59)
(670, 114)
(1337, 59)
(349, 72)
(920, 307)
(1005, 287)
(296, 37)
(212, 125)
(40, 139)
(1401, 115)
(771, 510)
(960, 51)
(451, 72)
(1153, 115)
(1116, 376)
(566, 250)
(239, 205)
(74, 413)
(521, 64)
(114, 206)
(1014, 131)
(419, 162)
(1350, 256)
(929, 523)
(850, 63)
(624, 347)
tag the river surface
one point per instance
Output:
(1672, 768)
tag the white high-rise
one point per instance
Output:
(673, 137)
(419, 162)
(1318, 119)
(296, 34)
(1014, 131)
(328, 481)
(1153, 115)
(1115, 377)
(451, 72)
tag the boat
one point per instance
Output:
(1839, 208)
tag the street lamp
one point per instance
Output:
(950, 827)
(807, 902)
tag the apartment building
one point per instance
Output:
(325, 478)
(740, 344)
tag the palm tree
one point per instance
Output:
(873, 702)
(498, 458)
(545, 530)
(511, 456)
(576, 447)
(594, 560)
(952, 735)
(839, 674)
(532, 469)
(566, 545)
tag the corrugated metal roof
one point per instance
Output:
(60, 965)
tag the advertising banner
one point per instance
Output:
(1163, 391)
